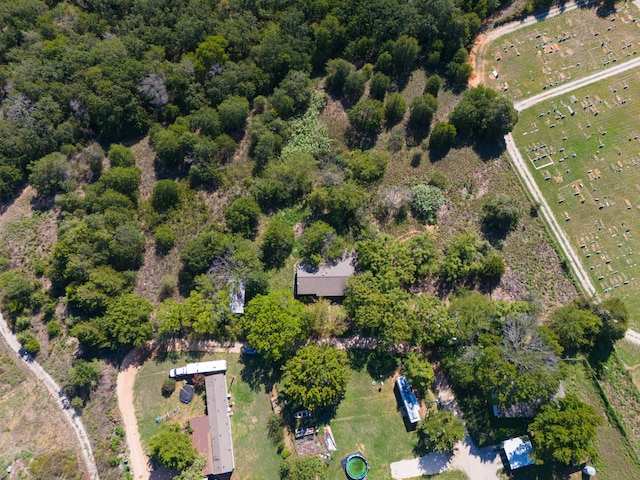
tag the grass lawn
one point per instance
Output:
(588, 168)
(255, 456)
(368, 421)
(629, 352)
(560, 49)
(615, 460)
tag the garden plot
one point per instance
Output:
(584, 152)
(560, 49)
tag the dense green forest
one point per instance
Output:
(247, 179)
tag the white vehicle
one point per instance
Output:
(214, 366)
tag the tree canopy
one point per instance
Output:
(439, 431)
(484, 113)
(565, 432)
(172, 448)
(274, 324)
(316, 376)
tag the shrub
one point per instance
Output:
(422, 109)
(354, 85)
(29, 342)
(367, 116)
(433, 85)
(427, 199)
(285, 454)
(379, 85)
(168, 387)
(168, 285)
(275, 431)
(438, 180)
(442, 136)
(394, 108)
(54, 328)
(121, 156)
(164, 237)
(242, 217)
(233, 113)
(50, 174)
(500, 213)
(166, 195)
(198, 382)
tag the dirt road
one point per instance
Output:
(61, 400)
(138, 459)
(560, 235)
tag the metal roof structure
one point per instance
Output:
(212, 432)
(327, 280)
(518, 451)
(409, 399)
(218, 412)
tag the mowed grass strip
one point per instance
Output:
(615, 460)
(368, 420)
(587, 165)
(629, 352)
(560, 49)
(255, 455)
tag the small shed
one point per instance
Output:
(236, 297)
(327, 280)
(518, 451)
(186, 394)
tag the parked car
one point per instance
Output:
(304, 431)
(248, 350)
(302, 414)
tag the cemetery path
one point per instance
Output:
(557, 231)
(580, 82)
(60, 399)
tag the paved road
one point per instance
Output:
(62, 402)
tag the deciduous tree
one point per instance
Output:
(172, 448)
(316, 376)
(440, 431)
(565, 432)
(274, 324)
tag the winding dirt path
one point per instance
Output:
(61, 400)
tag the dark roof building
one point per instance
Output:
(327, 280)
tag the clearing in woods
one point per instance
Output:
(583, 149)
(560, 49)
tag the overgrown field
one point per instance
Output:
(560, 49)
(587, 166)
(471, 175)
(615, 459)
(32, 425)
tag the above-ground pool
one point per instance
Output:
(356, 467)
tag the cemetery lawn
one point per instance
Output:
(559, 49)
(587, 165)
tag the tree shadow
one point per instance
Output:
(257, 373)
(489, 150)
(357, 140)
(380, 364)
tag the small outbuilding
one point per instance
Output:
(518, 452)
(186, 394)
(326, 280)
